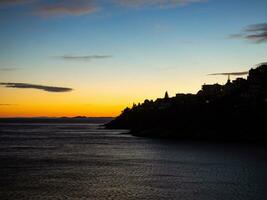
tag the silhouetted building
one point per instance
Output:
(211, 89)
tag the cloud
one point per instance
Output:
(38, 87)
(158, 3)
(8, 104)
(69, 7)
(83, 7)
(56, 7)
(88, 57)
(256, 33)
(14, 2)
(230, 73)
(8, 69)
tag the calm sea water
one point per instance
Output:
(83, 161)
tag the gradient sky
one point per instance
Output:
(116, 52)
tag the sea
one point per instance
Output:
(85, 161)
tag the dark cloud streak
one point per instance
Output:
(88, 57)
(256, 33)
(230, 74)
(38, 87)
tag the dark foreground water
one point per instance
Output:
(75, 161)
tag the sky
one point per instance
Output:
(95, 57)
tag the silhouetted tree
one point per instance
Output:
(166, 96)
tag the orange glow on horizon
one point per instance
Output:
(59, 111)
(98, 101)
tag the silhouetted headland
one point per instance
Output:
(236, 111)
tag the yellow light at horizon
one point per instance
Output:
(97, 100)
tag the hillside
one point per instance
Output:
(234, 111)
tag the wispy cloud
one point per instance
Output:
(158, 3)
(38, 87)
(1, 104)
(68, 7)
(83, 7)
(14, 2)
(9, 69)
(55, 8)
(87, 57)
(230, 73)
(256, 33)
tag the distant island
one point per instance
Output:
(236, 111)
(78, 119)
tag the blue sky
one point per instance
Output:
(134, 49)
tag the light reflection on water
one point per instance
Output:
(83, 161)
